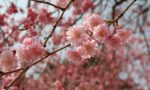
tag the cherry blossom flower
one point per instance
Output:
(113, 42)
(82, 7)
(92, 20)
(87, 4)
(59, 85)
(30, 50)
(123, 34)
(57, 39)
(44, 17)
(76, 34)
(2, 19)
(32, 17)
(61, 3)
(87, 49)
(32, 32)
(100, 32)
(74, 56)
(7, 60)
(12, 9)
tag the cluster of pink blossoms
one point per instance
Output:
(90, 34)
(29, 51)
(78, 7)
(12, 9)
(43, 17)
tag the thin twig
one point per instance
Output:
(6, 73)
(5, 39)
(116, 20)
(114, 7)
(48, 4)
(51, 54)
(55, 25)
(124, 11)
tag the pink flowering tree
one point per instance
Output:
(74, 45)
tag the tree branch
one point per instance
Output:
(55, 25)
(48, 4)
(116, 20)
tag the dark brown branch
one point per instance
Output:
(17, 78)
(6, 73)
(114, 7)
(5, 39)
(48, 3)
